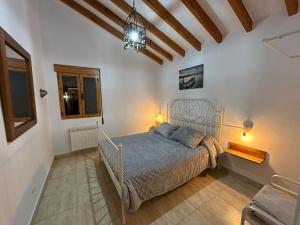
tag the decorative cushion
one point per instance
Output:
(187, 136)
(165, 129)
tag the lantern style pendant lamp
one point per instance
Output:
(134, 35)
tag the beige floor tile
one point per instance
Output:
(66, 200)
(67, 217)
(73, 196)
(178, 213)
(64, 161)
(46, 209)
(60, 171)
(195, 219)
(84, 214)
(201, 197)
(235, 198)
(82, 194)
(218, 212)
(185, 208)
(48, 221)
(58, 185)
(81, 178)
(160, 221)
(171, 218)
(81, 167)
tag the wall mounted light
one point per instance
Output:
(247, 127)
(43, 93)
(158, 119)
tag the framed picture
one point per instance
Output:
(191, 78)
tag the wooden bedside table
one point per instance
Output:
(245, 152)
(151, 128)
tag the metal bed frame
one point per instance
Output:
(199, 114)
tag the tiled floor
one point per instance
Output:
(66, 198)
(73, 196)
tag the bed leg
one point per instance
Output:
(123, 214)
(243, 217)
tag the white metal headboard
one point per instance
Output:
(199, 114)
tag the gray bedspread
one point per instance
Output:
(154, 165)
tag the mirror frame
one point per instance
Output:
(13, 132)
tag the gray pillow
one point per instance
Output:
(187, 136)
(165, 129)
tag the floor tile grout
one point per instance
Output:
(217, 187)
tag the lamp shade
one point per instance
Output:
(248, 125)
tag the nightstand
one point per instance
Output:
(151, 128)
(251, 154)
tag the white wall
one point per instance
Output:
(25, 162)
(251, 81)
(128, 79)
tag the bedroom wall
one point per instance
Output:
(24, 163)
(128, 79)
(251, 81)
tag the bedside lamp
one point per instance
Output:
(158, 119)
(247, 127)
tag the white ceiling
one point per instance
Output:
(218, 10)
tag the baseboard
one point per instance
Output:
(78, 152)
(40, 194)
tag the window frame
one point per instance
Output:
(80, 73)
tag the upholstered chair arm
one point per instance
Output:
(285, 184)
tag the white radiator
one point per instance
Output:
(83, 137)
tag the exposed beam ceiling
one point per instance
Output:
(242, 13)
(93, 17)
(291, 6)
(150, 27)
(203, 18)
(116, 19)
(164, 14)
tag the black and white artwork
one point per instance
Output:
(191, 78)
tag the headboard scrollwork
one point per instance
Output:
(199, 114)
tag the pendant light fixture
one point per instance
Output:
(134, 35)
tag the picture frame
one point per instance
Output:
(16, 87)
(191, 78)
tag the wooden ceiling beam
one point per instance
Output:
(93, 17)
(291, 6)
(165, 15)
(116, 19)
(242, 13)
(123, 5)
(198, 12)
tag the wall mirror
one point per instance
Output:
(16, 86)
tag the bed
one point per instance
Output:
(146, 165)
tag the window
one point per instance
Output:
(79, 91)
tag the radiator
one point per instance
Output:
(83, 137)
